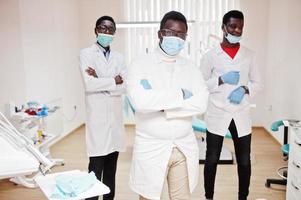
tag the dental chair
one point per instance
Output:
(200, 127)
(19, 157)
(282, 171)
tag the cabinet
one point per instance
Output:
(293, 191)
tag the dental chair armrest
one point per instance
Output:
(275, 125)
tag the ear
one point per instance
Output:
(159, 35)
(95, 31)
(224, 29)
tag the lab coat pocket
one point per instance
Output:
(97, 109)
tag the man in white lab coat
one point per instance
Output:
(232, 77)
(103, 71)
(166, 91)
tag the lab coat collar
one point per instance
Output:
(103, 49)
(99, 50)
(219, 51)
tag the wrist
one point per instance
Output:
(246, 89)
(220, 81)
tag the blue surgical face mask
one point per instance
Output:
(172, 45)
(232, 38)
(104, 39)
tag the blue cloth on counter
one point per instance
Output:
(67, 185)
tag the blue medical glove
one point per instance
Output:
(186, 94)
(275, 126)
(231, 77)
(237, 95)
(145, 84)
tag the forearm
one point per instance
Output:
(155, 100)
(99, 84)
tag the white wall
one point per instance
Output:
(272, 29)
(90, 11)
(12, 87)
(283, 71)
(43, 48)
(255, 38)
(51, 47)
(40, 43)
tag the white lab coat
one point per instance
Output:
(104, 125)
(157, 132)
(220, 111)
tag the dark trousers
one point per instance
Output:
(242, 147)
(104, 168)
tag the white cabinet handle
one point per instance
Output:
(296, 165)
(294, 186)
(297, 143)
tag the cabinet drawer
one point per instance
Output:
(295, 152)
(293, 191)
(295, 162)
(297, 138)
(296, 145)
(294, 171)
(295, 174)
(295, 148)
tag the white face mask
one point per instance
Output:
(232, 38)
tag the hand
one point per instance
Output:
(118, 80)
(237, 95)
(91, 72)
(231, 77)
(145, 84)
(186, 94)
